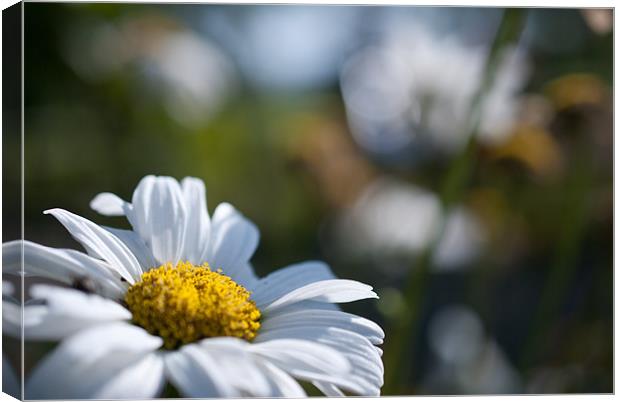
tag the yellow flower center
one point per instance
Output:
(185, 303)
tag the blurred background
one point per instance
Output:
(457, 159)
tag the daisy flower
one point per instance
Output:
(176, 300)
(411, 93)
(393, 221)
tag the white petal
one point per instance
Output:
(158, 215)
(308, 361)
(66, 312)
(79, 304)
(246, 276)
(12, 319)
(328, 389)
(368, 376)
(285, 280)
(100, 243)
(325, 318)
(141, 380)
(195, 375)
(283, 384)
(108, 204)
(198, 225)
(137, 246)
(92, 344)
(62, 265)
(302, 354)
(303, 305)
(227, 367)
(56, 380)
(329, 291)
(367, 367)
(233, 240)
(82, 365)
(238, 364)
(219, 367)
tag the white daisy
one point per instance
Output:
(393, 221)
(155, 312)
(412, 92)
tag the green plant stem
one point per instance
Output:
(401, 341)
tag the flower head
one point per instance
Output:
(184, 303)
(176, 300)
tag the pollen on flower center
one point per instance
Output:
(185, 303)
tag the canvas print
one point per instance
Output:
(235, 201)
